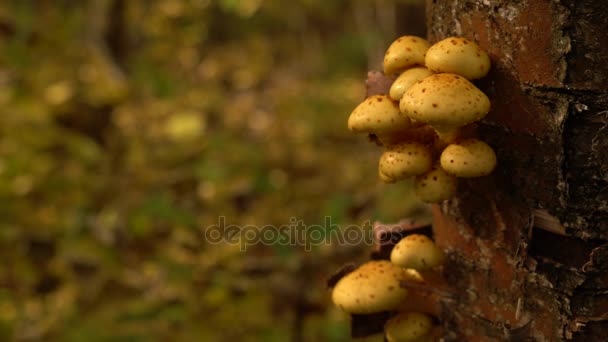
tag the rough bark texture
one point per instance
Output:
(549, 125)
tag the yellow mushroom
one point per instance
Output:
(373, 287)
(417, 251)
(468, 158)
(435, 186)
(459, 56)
(405, 160)
(408, 327)
(406, 80)
(446, 102)
(405, 52)
(378, 114)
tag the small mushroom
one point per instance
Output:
(405, 52)
(408, 327)
(405, 160)
(446, 102)
(378, 114)
(468, 158)
(417, 251)
(435, 186)
(373, 287)
(459, 56)
(406, 80)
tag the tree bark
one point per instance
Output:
(527, 246)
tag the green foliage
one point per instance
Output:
(124, 133)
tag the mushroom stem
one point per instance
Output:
(448, 135)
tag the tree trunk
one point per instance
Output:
(527, 246)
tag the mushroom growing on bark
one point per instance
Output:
(435, 186)
(417, 251)
(405, 160)
(408, 327)
(468, 158)
(446, 102)
(404, 53)
(373, 287)
(378, 114)
(460, 56)
(407, 79)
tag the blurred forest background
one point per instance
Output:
(128, 127)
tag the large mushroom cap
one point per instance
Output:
(405, 52)
(378, 114)
(373, 287)
(445, 101)
(417, 251)
(408, 327)
(459, 56)
(468, 158)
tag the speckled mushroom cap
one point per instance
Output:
(459, 56)
(405, 160)
(373, 287)
(378, 114)
(417, 251)
(445, 101)
(408, 327)
(406, 80)
(435, 186)
(405, 52)
(468, 158)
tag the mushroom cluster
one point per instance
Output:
(395, 286)
(424, 122)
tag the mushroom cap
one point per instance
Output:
(417, 251)
(405, 159)
(405, 52)
(406, 80)
(435, 186)
(408, 326)
(444, 101)
(378, 114)
(468, 158)
(373, 287)
(459, 56)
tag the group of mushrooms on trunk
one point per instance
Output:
(425, 121)
(426, 127)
